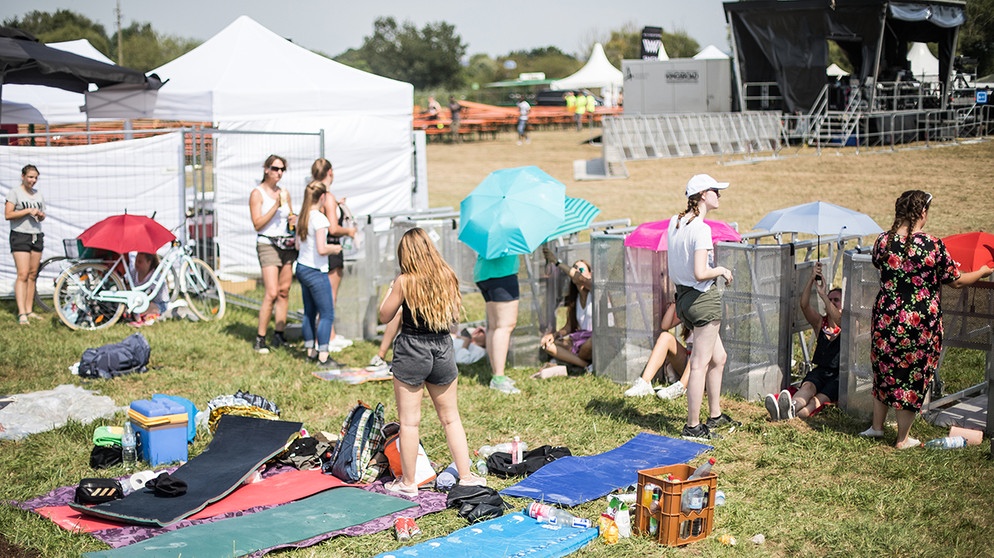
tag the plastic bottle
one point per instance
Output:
(516, 450)
(949, 442)
(556, 516)
(447, 478)
(704, 469)
(481, 467)
(485, 451)
(504, 447)
(692, 499)
(129, 454)
(654, 506)
(647, 491)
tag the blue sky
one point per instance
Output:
(331, 26)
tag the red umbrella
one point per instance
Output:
(971, 250)
(652, 236)
(127, 233)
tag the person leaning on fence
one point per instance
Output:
(690, 261)
(906, 320)
(272, 218)
(821, 385)
(573, 343)
(426, 294)
(25, 209)
(322, 171)
(312, 270)
(670, 355)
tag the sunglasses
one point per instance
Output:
(277, 169)
(580, 268)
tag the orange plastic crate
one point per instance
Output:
(675, 528)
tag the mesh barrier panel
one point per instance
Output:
(611, 306)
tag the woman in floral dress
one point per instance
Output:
(907, 319)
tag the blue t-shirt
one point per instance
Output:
(497, 267)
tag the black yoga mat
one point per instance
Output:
(240, 446)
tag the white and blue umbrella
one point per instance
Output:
(578, 213)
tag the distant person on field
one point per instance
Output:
(456, 109)
(524, 108)
(820, 385)
(570, 99)
(591, 107)
(581, 109)
(433, 109)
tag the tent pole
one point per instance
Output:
(738, 69)
(947, 81)
(880, 48)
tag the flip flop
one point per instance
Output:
(23, 319)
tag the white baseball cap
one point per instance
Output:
(702, 183)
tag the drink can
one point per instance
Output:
(413, 527)
(402, 528)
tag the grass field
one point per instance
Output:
(813, 488)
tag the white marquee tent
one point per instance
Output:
(835, 71)
(711, 52)
(38, 104)
(598, 72)
(924, 65)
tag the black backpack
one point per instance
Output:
(116, 359)
(499, 463)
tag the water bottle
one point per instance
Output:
(949, 442)
(481, 467)
(346, 243)
(129, 454)
(516, 452)
(692, 499)
(555, 516)
(485, 451)
(447, 478)
(704, 469)
(506, 447)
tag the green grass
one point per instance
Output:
(812, 488)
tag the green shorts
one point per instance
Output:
(695, 308)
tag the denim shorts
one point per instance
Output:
(499, 289)
(696, 309)
(419, 359)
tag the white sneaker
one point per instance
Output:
(377, 364)
(671, 391)
(640, 388)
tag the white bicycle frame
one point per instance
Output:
(135, 298)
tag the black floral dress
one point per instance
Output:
(907, 318)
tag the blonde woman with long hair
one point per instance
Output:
(426, 294)
(312, 269)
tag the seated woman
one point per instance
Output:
(141, 272)
(669, 354)
(573, 344)
(821, 385)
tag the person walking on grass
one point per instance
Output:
(312, 273)
(690, 260)
(821, 385)
(25, 209)
(426, 293)
(906, 320)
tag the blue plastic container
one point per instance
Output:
(161, 429)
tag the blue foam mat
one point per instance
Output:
(514, 534)
(571, 481)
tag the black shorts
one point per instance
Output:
(336, 261)
(26, 242)
(419, 359)
(825, 380)
(499, 289)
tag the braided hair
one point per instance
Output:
(908, 209)
(692, 207)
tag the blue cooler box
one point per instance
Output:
(161, 430)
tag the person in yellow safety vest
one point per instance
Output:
(570, 102)
(581, 108)
(591, 106)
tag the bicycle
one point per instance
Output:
(91, 294)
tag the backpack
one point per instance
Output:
(360, 440)
(116, 359)
(499, 463)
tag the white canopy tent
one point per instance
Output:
(598, 72)
(38, 104)
(711, 52)
(247, 78)
(924, 65)
(835, 71)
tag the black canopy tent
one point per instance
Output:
(786, 41)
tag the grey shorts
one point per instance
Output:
(270, 256)
(696, 309)
(419, 359)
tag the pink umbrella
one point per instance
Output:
(652, 235)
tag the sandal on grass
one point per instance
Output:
(34, 316)
(23, 319)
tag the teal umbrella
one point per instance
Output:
(578, 214)
(511, 212)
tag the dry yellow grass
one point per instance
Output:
(959, 176)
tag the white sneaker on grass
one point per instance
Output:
(503, 384)
(671, 391)
(640, 388)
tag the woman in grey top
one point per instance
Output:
(25, 209)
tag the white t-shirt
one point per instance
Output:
(472, 353)
(585, 313)
(682, 243)
(308, 249)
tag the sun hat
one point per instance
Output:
(702, 183)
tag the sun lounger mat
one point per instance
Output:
(571, 481)
(277, 527)
(513, 534)
(240, 446)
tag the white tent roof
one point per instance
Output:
(923, 64)
(835, 71)
(247, 72)
(38, 104)
(711, 52)
(597, 72)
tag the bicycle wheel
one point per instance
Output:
(48, 273)
(76, 293)
(202, 289)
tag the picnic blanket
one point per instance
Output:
(354, 376)
(278, 527)
(572, 480)
(514, 534)
(240, 446)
